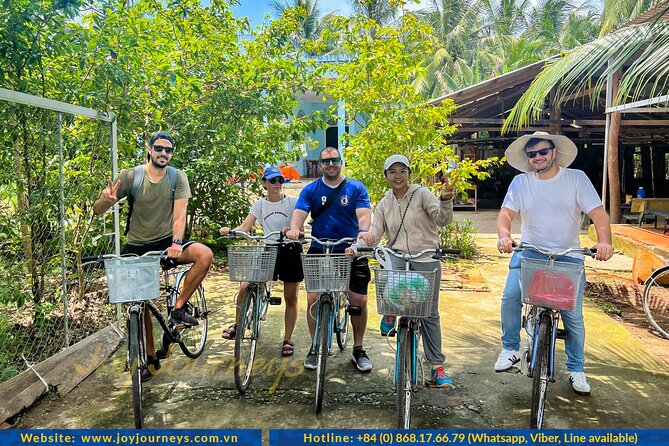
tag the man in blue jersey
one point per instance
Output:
(347, 215)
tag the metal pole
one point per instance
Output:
(61, 176)
(117, 230)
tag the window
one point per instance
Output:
(637, 164)
(666, 166)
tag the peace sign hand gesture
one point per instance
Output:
(109, 193)
(447, 188)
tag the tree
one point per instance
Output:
(376, 89)
(382, 12)
(308, 15)
(616, 12)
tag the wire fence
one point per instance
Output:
(52, 168)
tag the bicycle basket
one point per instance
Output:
(131, 279)
(251, 263)
(550, 284)
(326, 272)
(404, 293)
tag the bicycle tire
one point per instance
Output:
(656, 300)
(193, 339)
(342, 322)
(324, 333)
(246, 340)
(540, 374)
(135, 362)
(404, 372)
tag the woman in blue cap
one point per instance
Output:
(273, 212)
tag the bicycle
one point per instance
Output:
(408, 294)
(328, 275)
(547, 286)
(656, 300)
(135, 281)
(253, 264)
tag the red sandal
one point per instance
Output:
(230, 332)
(288, 348)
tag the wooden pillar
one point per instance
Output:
(612, 149)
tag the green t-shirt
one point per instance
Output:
(153, 209)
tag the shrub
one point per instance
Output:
(460, 235)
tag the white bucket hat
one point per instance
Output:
(565, 148)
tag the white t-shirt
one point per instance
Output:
(274, 216)
(551, 209)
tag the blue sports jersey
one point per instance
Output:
(340, 219)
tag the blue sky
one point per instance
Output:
(256, 9)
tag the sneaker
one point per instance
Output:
(579, 383)
(440, 378)
(179, 315)
(506, 360)
(361, 360)
(311, 361)
(387, 325)
(152, 364)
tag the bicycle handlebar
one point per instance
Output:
(326, 242)
(102, 257)
(437, 253)
(585, 251)
(236, 234)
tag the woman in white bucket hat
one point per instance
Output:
(550, 198)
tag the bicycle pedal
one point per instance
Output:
(561, 333)
(275, 301)
(354, 311)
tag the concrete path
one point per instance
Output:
(629, 383)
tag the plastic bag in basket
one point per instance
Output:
(404, 290)
(553, 289)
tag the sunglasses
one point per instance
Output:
(335, 161)
(275, 180)
(167, 150)
(542, 152)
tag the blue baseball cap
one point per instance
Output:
(271, 172)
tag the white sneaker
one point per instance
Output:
(506, 360)
(579, 383)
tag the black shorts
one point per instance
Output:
(360, 273)
(288, 266)
(158, 245)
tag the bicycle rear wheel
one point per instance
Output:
(324, 333)
(656, 300)
(135, 366)
(540, 373)
(404, 366)
(342, 322)
(193, 338)
(246, 340)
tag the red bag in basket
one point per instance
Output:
(552, 289)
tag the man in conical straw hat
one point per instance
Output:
(550, 198)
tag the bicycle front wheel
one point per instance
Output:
(245, 340)
(404, 369)
(194, 338)
(324, 333)
(656, 300)
(135, 366)
(540, 373)
(342, 322)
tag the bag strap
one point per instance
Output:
(390, 244)
(137, 182)
(328, 201)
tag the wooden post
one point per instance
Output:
(612, 149)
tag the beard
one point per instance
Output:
(549, 166)
(156, 162)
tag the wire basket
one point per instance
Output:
(404, 293)
(326, 272)
(550, 284)
(251, 263)
(132, 279)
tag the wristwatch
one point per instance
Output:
(178, 241)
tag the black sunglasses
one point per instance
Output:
(275, 180)
(336, 160)
(167, 150)
(542, 152)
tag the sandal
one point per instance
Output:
(230, 332)
(288, 348)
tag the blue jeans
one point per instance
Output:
(512, 313)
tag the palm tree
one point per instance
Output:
(616, 12)
(505, 17)
(311, 23)
(381, 11)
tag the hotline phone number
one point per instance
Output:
(404, 438)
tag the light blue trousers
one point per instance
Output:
(512, 313)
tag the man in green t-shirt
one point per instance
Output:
(158, 223)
